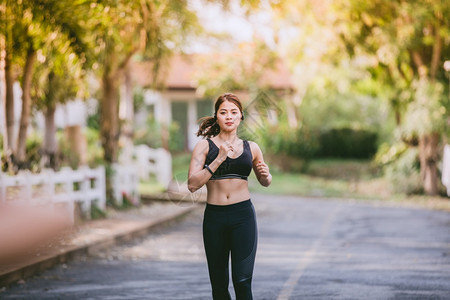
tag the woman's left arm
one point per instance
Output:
(260, 168)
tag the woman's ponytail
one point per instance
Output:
(208, 127)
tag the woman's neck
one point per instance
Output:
(227, 136)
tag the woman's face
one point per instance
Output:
(228, 116)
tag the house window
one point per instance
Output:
(204, 108)
(178, 132)
(151, 111)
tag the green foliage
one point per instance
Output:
(286, 148)
(68, 156)
(350, 185)
(94, 148)
(387, 154)
(347, 143)
(343, 169)
(176, 138)
(97, 213)
(404, 173)
(128, 201)
(138, 99)
(150, 135)
(151, 28)
(93, 121)
(330, 103)
(3, 159)
(408, 44)
(152, 187)
(408, 41)
(300, 143)
(180, 165)
(55, 84)
(33, 153)
(427, 113)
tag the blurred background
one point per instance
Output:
(346, 98)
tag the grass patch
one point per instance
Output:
(97, 213)
(337, 178)
(343, 169)
(325, 178)
(313, 186)
(328, 178)
(180, 166)
(150, 187)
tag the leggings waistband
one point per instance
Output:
(230, 207)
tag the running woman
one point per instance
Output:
(223, 162)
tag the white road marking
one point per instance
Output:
(308, 257)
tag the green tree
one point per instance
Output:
(6, 48)
(409, 41)
(56, 80)
(27, 28)
(124, 29)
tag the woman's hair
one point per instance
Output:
(208, 125)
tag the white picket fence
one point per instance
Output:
(85, 186)
(139, 163)
(125, 183)
(153, 161)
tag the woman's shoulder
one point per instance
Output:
(202, 142)
(254, 147)
(252, 144)
(202, 146)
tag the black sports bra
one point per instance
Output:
(239, 167)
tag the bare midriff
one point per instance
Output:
(227, 191)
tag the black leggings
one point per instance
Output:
(230, 228)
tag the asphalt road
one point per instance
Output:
(308, 249)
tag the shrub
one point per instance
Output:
(387, 154)
(347, 143)
(95, 149)
(404, 173)
(176, 138)
(67, 155)
(287, 149)
(33, 152)
(149, 135)
(301, 143)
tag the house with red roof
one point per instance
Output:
(180, 100)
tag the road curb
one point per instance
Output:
(20, 272)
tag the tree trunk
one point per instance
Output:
(77, 143)
(9, 136)
(109, 129)
(126, 115)
(109, 119)
(398, 117)
(9, 105)
(26, 107)
(50, 145)
(428, 149)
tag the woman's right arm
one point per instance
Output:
(198, 174)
